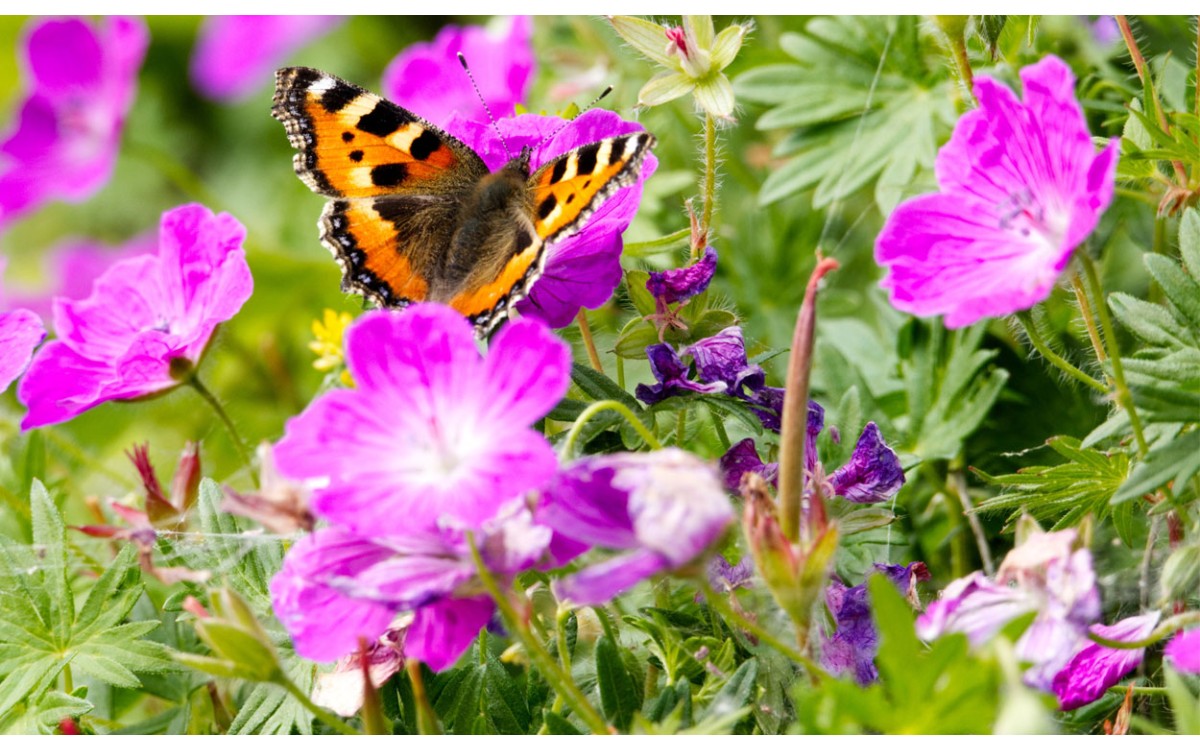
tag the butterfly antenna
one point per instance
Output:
(595, 101)
(463, 59)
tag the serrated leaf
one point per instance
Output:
(1176, 462)
(1181, 290)
(1189, 241)
(1149, 322)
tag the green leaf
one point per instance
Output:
(556, 724)
(1181, 289)
(620, 696)
(1175, 462)
(735, 694)
(989, 28)
(43, 715)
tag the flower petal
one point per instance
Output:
(600, 583)
(20, 333)
(727, 44)
(528, 372)
(235, 55)
(664, 87)
(1183, 651)
(647, 38)
(442, 631)
(1095, 668)
(873, 473)
(714, 95)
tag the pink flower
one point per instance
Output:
(236, 55)
(1183, 652)
(428, 79)
(20, 333)
(433, 430)
(1021, 187)
(146, 322)
(1095, 668)
(82, 82)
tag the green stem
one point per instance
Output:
(717, 602)
(238, 443)
(561, 683)
(1170, 626)
(1106, 326)
(585, 332)
(1089, 320)
(329, 719)
(962, 66)
(681, 425)
(719, 428)
(710, 184)
(68, 680)
(607, 405)
(427, 721)
(1035, 338)
(1137, 690)
(621, 372)
(657, 245)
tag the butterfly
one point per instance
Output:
(414, 214)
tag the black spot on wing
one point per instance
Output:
(389, 175)
(356, 155)
(386, 118)
(547, 206)
(618, 149)
(424, 145)
(347, 136)
(336, 98)
(570, 198)
(524, 239)
(560, 170)
(587, 158)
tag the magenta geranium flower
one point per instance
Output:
(662, 510)
(81, 81)
(1095, 668)
(1021, 186)
(1183, 652)
(236, 55)
(146, 322)
(428, 79)
(581, 270)
(1046, 575)
(20, 333)
(432, 430)
(336, 586)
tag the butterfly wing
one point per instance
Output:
(396, 182)
(569, 189)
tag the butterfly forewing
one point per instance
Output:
(567, 190)
(354, 144)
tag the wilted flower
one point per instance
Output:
(20, 333)
(342, 688)
(693, 56)
(676, 286)
(1021, 187)
(82, 82)
(1045, 575)
(581, 270)
(428, 79)
(280, 504)
(432, 429)
(235, 55)
(336, 586)
(146, 323)
(854, 642)
(663, 509)
(1183, 652)
(1095, 668)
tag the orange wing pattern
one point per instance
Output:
(354, 144)
(485, 304)
(569, 189)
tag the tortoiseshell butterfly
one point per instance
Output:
(415, 214)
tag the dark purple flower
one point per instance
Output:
(432, 430)
(144, 318)
(581, 270)
(873, 473)
(852, 647)
(662, 509)
(81, 83)
(337, 586)
(724, 577)
(428, 79)
(741, 459)
(1045, 575)
(681, 284)
(20, 333)
(1183, 652)
(1095, 668)
(1021, 187)
(236, 55)
(671, 376)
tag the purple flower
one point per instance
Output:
(81, 85)
(71, 268)
(428, 79)
(1095, 668)
(1021, 187)
(147, 320)
(20, 333)
(1183, 652)
(852, 647)
(432, 429)
(724, 578)
(681, 284)
(1044, 575)
(671, 376)
(235, 55)
(581, 270)
(337, 586)
(741, 459)
(663, 509)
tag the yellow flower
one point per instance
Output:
(329, 332)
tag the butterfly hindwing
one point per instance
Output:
(354, 144)
(567, 190)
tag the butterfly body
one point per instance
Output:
(415, 214)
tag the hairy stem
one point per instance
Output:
(710, 186)
(1035, 338)
(589, 343)
(238, 443)
(589, 413)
